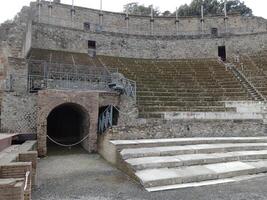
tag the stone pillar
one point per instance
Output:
(127, 19)
(152, 21)
(101, 18)
(202, 19)
(39, 5)
(50, 6)
(101, 14)
(72, 11)
(177, 21)
(225, 16)
(127, 23)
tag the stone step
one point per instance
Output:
(183, 108)
(164, 176)
(179, 103)
(193, 159)
(190, 149)
(142, 143)
(205, 183)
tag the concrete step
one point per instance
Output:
(190, 149)
(164, 176)
(193, 159)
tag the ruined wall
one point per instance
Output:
(169, 47)
(148, 129)
(18, 108)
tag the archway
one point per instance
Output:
(67, 124)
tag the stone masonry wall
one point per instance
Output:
(116, 22)
(89, 101)
(18, 108)
(58, 38)
(149, 129)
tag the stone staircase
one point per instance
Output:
(164, 164)
(255, 94)
(254, 66)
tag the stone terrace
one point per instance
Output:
(196, 85)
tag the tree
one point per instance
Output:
(214, 7)
(136, 9)
(166, 14)
(211, 7)
(238, 6)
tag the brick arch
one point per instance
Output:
(76, 119)
(49, 100)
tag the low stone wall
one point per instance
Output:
(11, 189)
(145, 129)
(15, 162)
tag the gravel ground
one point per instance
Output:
(67, 175)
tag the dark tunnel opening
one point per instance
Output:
(67, 124)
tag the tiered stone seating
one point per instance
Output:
(255, 68)
(165, 164)
(197, 85)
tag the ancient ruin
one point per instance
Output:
(149, 94)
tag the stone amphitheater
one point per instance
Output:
(173, 102)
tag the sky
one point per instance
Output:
(9, 8)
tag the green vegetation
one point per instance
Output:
(211, 7)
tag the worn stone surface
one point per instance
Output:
(60, 177)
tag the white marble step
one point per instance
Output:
(121, 144)
(190, 149)
(193, 159)
(172, 176)
(205, 183)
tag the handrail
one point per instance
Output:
(232, 66)
(105, 120)
(26, 180)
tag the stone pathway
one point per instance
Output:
(75, 175)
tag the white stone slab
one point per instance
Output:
(204, 183)
(171, 140)
(188, 149)
(220, 168)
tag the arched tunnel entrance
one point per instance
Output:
(67, 124)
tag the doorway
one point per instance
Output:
(222, 52)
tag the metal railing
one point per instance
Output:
(47, 75)
(66, 81)
(41, 67)
(105, 120)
